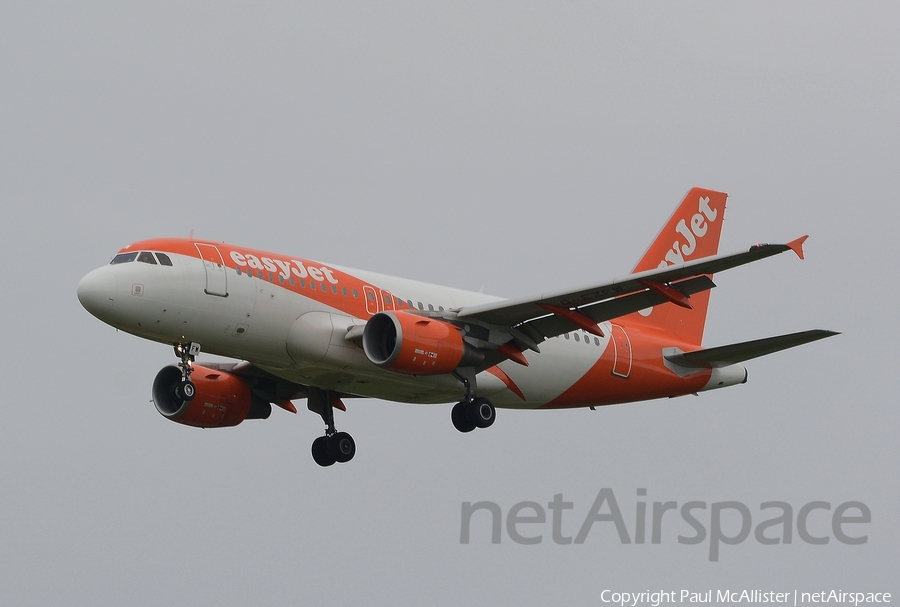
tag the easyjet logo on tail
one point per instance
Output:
(690, 236)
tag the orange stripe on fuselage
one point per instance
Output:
(648, 378)
(312, 279)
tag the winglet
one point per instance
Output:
(797, 245)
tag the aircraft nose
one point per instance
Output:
(97, 291)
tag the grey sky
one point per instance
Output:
(510, 147)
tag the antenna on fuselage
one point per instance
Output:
(191, 235)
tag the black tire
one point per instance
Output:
(188, 390)
(459, 415)
(185, 390)
(482, 412)
(342, 447)
(320, 452)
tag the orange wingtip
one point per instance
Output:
(797, 246)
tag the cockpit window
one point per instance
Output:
(123, 258)
(164, 259)
(146, 257)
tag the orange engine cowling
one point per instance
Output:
(416, 345)
(222, 399)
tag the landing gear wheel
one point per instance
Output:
(188, 390)
(321, 452)
(341, 447)
(459, 415)
(482, 413)
(185, 390)
(334, 447)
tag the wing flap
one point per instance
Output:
(723, 356)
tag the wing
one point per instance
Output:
(736, 353)
(537, 318)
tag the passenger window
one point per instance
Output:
(431, 307)
(312, 285)
(567, 336)
(370, 296)
(123, 258)
(302, 284)
(421, 307)
(281, 279)
(146, 257)
(596, 341)
(164, 259)
(410, 303)
(576, 337)
(291, 280)
(344, 291)
(334, 289)
(238, 270)
(355, 294)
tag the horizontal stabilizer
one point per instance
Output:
(735, 353)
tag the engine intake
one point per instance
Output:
(416, 345)
(222, 399)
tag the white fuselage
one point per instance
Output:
(301, 339)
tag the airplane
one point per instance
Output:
(302, 329)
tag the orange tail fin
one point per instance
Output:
(692, 232)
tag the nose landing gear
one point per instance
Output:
(187, 353)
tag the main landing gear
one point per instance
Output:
(334, 446)
(187, 353)
(474, 411)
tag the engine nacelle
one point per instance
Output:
(416, 345)
(222, 399)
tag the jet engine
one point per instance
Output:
(222, 399)
(416, 345)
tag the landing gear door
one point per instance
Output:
(215, 270)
